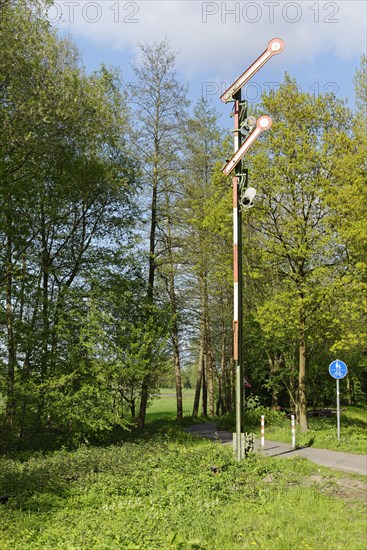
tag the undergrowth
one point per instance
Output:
(170, 490)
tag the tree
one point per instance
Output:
(65, 183)
(348, 202)
(118, 340)
(218, 226)
(296, 243)
(160, 102)
(202, 140)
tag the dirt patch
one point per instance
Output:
(344, 487)
(352, 488)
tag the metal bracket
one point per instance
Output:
(243, 113)
(244, 130)
(242, 186)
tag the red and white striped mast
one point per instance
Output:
(242, 198)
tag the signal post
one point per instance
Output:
(250, 129)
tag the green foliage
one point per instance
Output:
(252, 416)
(66, 192)
(172, 491)
(254, 410)
(304, 267)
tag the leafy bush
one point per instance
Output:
(252, 415)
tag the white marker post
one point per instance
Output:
(262, 435)
(293, 427)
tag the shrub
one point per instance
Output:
(252, 415)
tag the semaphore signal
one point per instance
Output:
(275, 46)
(243, 196)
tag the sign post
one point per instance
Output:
(338, 369)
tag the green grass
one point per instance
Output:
(164, 405)
(175, 491)
(322, 432)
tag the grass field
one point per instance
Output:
(164, 405)
(172, 491)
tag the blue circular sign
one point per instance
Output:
(338, 369)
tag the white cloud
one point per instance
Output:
(213, 33)
(218, 40)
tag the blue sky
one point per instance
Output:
(216, 41)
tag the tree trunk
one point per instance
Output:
(132, 408)
(220, 398)
(222, 387)
(195, 410)
(211, 367)
(10, 403)
(175, 326)
(349, 392)
(302, 404)
(176, 361)
(274, 361)
(352, 391)
(45, 267)
(24, 403)
(204, 400)
(226, 376)
(144, 393)
(222, 381)
(208, 359)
